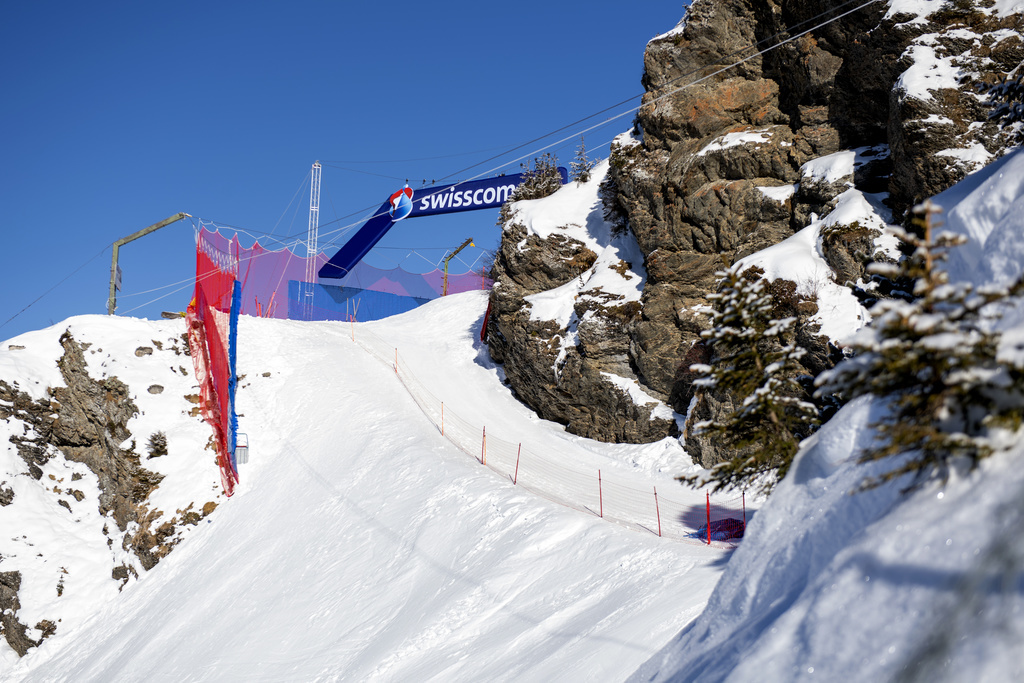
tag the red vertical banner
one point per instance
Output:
(709, 517)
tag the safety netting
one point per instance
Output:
(232, 280)
(212, 336)
(273, 283)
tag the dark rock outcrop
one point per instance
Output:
(86, 421)
(13, 631)
(721, 134)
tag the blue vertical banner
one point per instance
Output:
(236, 306)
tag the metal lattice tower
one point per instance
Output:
(312, 236)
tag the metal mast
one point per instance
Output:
(312, 236)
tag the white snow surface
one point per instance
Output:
(798, 258)
(830, 584)
(360, 544)
(830, 168)
(736, 139)
(920, 9)
(987, 207)
(62, 552)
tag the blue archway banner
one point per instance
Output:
(472, 195)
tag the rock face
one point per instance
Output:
(716, 170)
(566, 370)
(85, 422)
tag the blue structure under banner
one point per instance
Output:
(337, 302)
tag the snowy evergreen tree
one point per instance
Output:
(936, 360)
(581, 166)
(755, 360)
(540, 180)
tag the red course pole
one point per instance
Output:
(657, 509)
(709, 517)
(744, 512)
(600, 493)
(396, 361)
(516, 476)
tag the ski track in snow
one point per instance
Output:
(361, 545)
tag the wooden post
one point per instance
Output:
(657, 509)
(114, 284)
(483, 448)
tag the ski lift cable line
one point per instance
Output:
(686, 75)
(406, 161)
(190, 281)
(356, 170)
(302, 185)
(341, 230)
(632, 110)
(36, 300)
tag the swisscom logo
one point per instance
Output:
(401, 204)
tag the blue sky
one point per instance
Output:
(117, 115)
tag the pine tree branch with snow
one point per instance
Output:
(755, 360)
(581, 166)
(936, 362)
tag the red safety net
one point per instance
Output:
(208, 329)
(272, 286)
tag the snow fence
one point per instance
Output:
(672, 512)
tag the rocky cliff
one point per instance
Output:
(77, 486)
(743, 99)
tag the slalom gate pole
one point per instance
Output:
(657, 509)
(483, 448)
(396, 361)
(516, 476)
(709, 516)
(744, 512)
(600, 493)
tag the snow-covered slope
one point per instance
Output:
(361, 545)
(880, 586)
(53, 534)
